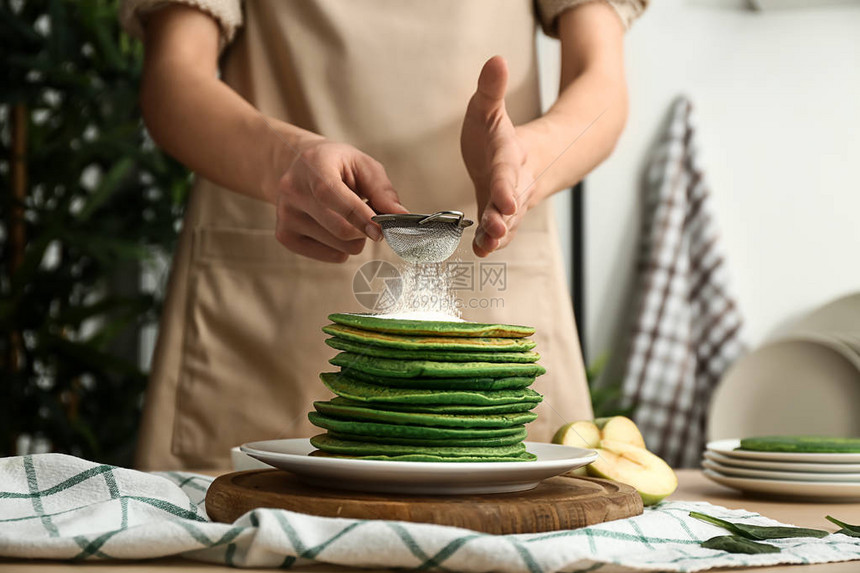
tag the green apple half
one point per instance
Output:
(620, 429)
(588, 434)
(622, 456)
(635, 466)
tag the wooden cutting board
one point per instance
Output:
(563, 502)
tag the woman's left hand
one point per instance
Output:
(496, 159)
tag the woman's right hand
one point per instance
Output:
(190, 112)
(326, 198)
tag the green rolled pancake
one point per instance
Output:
(456, 409)
(802, 444)
(404, 342)
(523, 457)
(348, 412)
(384, 430)
(332, 445)
(434, 355)
(430, 369)
(430, 328)
(361, 392)
(442, 383)
(460, 442)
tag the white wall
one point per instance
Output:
(778, 101)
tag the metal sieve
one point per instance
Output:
(423, 239)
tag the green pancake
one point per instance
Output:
(332, 445)
(459, 410)
(429, 369)
(431, 328)
(403, 342)
(348, 412)
(523, 457)
(459, 442)
(359, 391)
(384, 431)
(442, 383)
(434, 355)
(802, 444)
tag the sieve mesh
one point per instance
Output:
(423, 239)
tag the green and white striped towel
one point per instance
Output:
(54, 506)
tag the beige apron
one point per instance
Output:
(240, 346)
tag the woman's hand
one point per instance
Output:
(515, 168)
(496, 158)
(318, 187)
(326, 198)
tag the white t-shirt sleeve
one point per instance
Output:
(228, 14)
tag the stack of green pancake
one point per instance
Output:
(416, 390)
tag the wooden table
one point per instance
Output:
(693, 487)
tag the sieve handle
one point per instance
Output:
(434, 216)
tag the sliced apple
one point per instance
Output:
(635, 466)
(582, 434)
(620, 429)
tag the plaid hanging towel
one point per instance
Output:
(687, 330)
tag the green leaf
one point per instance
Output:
(108, 48)
(32, 259)
(87, 356)
(760, 531)
(57, 41)
(107, 186)
(847, 529)
(848, 532)
(74, 316)
(735, 544)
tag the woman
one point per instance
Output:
(289, 144)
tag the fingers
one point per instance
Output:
(504, 180)
(321, 208)
(303, 224)
(493, 81)
(493, 223)
(495, 158)
(494, 227)
(487, 105)
(498, 231)
(483, 244)
(505, 155)
(373, 184)
(503, 194)
(337, 208)
(308, 247)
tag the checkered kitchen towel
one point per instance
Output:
(54, 506)
(687, 330)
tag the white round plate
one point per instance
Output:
(804, 490)
(433, 478)
(782, 466)
(727, 447)
(768, 391)
(786, 476)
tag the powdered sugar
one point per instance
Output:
(427, 294)
(421, 315)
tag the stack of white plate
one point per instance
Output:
(812, 476)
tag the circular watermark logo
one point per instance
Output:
(377, 285)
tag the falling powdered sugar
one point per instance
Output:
(427, 294)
